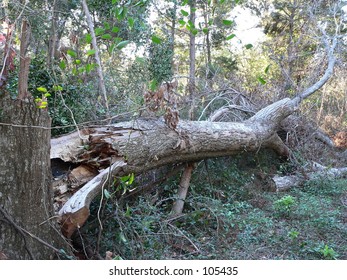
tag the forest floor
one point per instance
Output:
(231, 212)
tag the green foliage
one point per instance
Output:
(160, 60)
(328, 253)
(284, 206)
(229, 214)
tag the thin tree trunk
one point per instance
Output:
(97, 56)
(191, 85)
(52, 44)
(183, 189)
(173, 33)
(24, 62)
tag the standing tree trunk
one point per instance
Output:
(191, 84)
(26, 206)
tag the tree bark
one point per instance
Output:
(27, 227)
(146, 144)
(24, 61)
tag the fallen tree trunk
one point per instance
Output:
(142, 145)
(145, 144)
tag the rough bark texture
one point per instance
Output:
(25, 183)
(143, 144)
(24, 62)
(146, 144)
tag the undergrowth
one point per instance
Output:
(231, 212)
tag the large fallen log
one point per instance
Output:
(145, 144)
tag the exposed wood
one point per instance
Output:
(75, 211)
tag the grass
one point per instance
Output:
(231, 213)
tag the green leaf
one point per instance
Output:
(153, 85)
(248, 46)
(156, 39)
(71, 53)
(131, 179)
(88, 38)
(57, 88)
(267, 69)
(227, 22)
(194, 31)
(261, 80)
(88, 67)
(128, 212)
(77, 61)
(106, 36)
(42, 89)
(230, 37)
(205, 30)
(62, 65)
(125, 178)
(107, 194)
(191, 24)
(47, 94)
(140, 3)
(122, 237)
(115, 29)
(184, 2)
(122, 44)
(99, 31)
(114, 2)
(81, 69)
(184, 13)
(107, 26)
(131, 23)
(181, 22)
(91, 52)
(121, 13)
